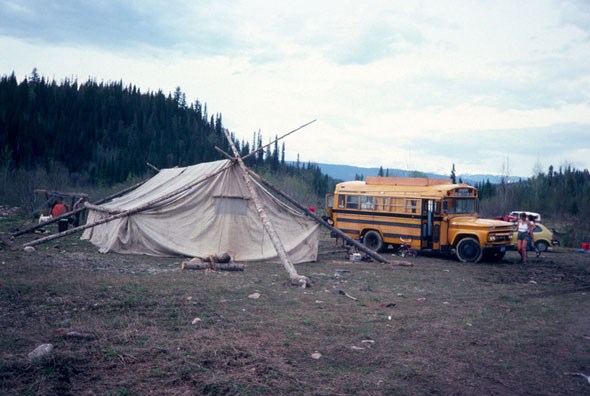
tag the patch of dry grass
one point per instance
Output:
(440, 327)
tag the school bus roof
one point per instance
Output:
(406, 181)
(422, 186)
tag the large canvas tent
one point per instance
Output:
(215, 215)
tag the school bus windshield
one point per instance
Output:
(460, 205)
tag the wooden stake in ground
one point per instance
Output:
(294, 277)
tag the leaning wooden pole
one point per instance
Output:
(294, 277)
(321, 221)
(129, 212)
(253, 153)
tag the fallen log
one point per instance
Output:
(187, 265)
(215, 262)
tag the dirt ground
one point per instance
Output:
(144, 327)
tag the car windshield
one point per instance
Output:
(460, 205)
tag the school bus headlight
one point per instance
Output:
(499, 238)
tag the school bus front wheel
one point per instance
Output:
(468, 250)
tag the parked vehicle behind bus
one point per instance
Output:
(433, 213)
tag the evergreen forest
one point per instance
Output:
(97, 137)
(94, 135)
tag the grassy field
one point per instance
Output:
(440, 327)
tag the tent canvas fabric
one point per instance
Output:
(213, 217)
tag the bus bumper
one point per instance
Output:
(496, 249)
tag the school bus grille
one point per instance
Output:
(500, 237)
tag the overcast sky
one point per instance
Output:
(419, 85)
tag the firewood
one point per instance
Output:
(185, 265)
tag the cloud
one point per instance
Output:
(128, 26)
(391, 83)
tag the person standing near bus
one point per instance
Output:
(522, 227)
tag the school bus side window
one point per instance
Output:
(352, 202)
(367, 202)
(383, 203)
(341, 201)
(397, 205)
(411, 205)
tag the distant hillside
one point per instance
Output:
(347, 172)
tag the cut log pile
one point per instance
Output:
(213, 262)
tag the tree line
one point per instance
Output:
(561, 195)
(102, 134)
(561, 192)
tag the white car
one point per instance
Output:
(516, 213)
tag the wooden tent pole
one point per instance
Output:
(276, 140)
(321, 221)
(295, 278)
(152, 167)
(128, 212)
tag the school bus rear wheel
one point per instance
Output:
(373, 240)
(468, 250)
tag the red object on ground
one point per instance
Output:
(311, 209)
(585, 245)
(58, 210)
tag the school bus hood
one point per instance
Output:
(473, 222)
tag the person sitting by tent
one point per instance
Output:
(58, 210)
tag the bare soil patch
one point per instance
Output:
(440, 327)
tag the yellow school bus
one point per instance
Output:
(430, 214)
